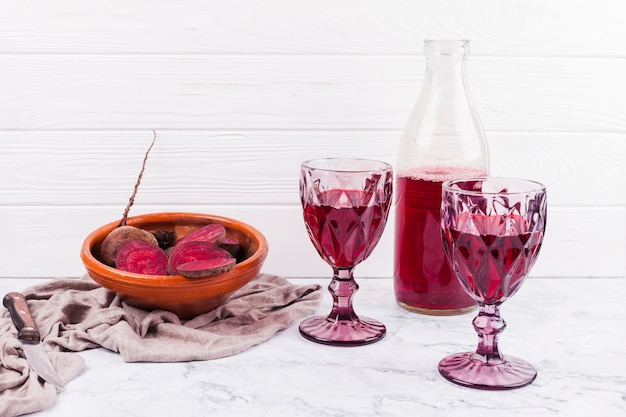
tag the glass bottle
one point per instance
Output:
(443, 139)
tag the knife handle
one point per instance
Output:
(18, 308)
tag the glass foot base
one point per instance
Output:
(461, 369)
(358, 332)
(436, 312)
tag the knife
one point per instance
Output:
(28, 334)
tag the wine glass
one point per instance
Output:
(345, 203)
(492, 231)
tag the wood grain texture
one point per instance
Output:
(69, 92)
(497, 27)
(241, 92)
(252, 168)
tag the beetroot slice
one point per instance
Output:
(194, 251)
(199, 269)
(231, 245)
(141, 257)
(212, 233)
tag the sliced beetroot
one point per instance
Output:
(231, 245)
(141, 257)
(194, 251)
(117, 237)
(212, 233)
(199, 269)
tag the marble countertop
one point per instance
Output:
(572, 330)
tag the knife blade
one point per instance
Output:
(28, 334)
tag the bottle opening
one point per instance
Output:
(446, 46)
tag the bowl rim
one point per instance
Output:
(167, 282)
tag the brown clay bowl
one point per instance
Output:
(184, 296)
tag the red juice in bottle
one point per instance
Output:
(423, 277)
(443, 139)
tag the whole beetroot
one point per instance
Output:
(117, 237)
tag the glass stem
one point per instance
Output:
(488, 324)
(342, 287)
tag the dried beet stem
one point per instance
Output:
(132, 197)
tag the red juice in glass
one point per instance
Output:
(345, 232)
(423, 278)
(492, 265)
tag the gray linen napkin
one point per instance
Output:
(78, 314)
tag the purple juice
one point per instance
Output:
(490, 263)
(345, 226)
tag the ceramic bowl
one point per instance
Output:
(184, 296)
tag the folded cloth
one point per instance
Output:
(78, 314)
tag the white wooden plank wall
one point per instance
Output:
(240, 92)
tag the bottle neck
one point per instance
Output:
(446, 74)
(444, 130)
(446, 63)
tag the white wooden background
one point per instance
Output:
(240, 92)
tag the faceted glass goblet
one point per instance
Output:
(345, 204)
(492, 232)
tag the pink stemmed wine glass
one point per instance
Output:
(492, 231)
(345, 204)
